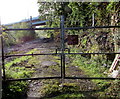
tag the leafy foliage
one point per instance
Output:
(81, 14)
(18, 72)
(15, 71)
(60, 91)
(14, 90)
(15, 37)
(79, 11)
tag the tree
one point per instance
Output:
(106, 13)
(14, 37)
(23, 36)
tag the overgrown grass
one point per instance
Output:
(16, 69)
(92, 67)
(19, 60)
(13, 70)
(70, 96)
(95, 67)
(60, 91)
(14, 90)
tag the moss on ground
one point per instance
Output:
(56, 90)
(94, 68)
(17, 69)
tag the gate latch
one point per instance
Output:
(59, 49)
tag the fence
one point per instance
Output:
(62, 54)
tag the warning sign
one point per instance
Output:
(72, 39)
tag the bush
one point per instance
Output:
(14, 37)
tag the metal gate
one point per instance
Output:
(62, 52)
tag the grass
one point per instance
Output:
(56, 90)
(19, 60)
(16, 69)
(94, 67)
(70, 96)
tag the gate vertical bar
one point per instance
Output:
(2, 53)
(0, 62)
(62, 48)
(31, 22)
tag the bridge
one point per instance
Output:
(34, 21)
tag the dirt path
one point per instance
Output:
(48, 66)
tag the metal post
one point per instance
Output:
(0, 62)
(62, 48)
(2, 53)
(31, 22)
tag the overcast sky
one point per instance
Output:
(16, 10)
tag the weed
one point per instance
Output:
(11, 90)
(19, 60)
(57, 91)
(94, 67)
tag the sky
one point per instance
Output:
(17, 10)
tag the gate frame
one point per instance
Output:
(62, 54)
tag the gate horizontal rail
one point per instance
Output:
(95, 27)
(30, 55)
(30, 29)
(91, 53)
(24, 79)
(53, 54)
(102, 78)
(56, 28)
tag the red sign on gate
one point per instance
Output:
(72, 39)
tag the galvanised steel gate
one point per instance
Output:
(62, 53)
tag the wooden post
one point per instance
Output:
(93, 20)
(115, 63)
